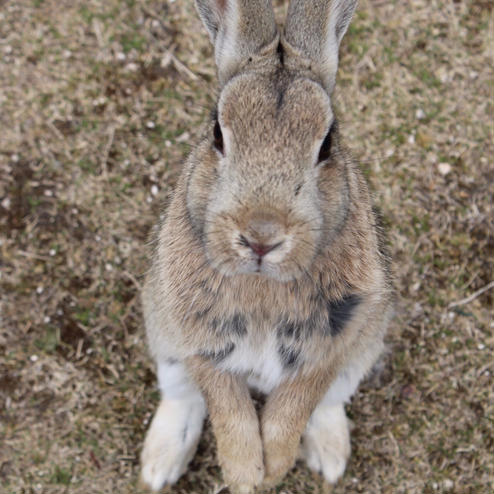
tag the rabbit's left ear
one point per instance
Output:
(238, 29)
(315, 29)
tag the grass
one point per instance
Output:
(79, 167)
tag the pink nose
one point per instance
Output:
(260, 249)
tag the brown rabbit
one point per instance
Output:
(269, 271)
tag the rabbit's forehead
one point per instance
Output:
(278, 108)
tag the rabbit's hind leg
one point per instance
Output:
(172, 438)
(326, 441)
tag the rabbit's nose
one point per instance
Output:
(260, 249)
(263, 233)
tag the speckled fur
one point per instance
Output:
(309, 314)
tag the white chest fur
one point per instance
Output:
(258, 360)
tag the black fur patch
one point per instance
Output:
(288, 356)
(288, 329)
(237, 325)
(220, 354)
(340, 312)
(301, 330)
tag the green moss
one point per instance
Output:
(34, 202)
(88, 166)
(428, 78)
(83, 316)
(61, 476)
(133, 41)
(373, 80)
(421, 224)
(86, 14)
(48, 340)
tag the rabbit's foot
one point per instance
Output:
(242, 474)
(242, 478)
(171, 441)
(280, 451)
(326, 442)
(241, 460)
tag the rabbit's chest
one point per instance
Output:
(269, 339)
(259, 359)
(258, 349)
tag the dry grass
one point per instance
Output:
(99, 102)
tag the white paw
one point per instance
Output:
(171, 441)
(326, 442)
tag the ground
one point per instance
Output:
(100, 102)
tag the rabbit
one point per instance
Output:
(269, 271)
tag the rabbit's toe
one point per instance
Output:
(326, 442)
(170, 443)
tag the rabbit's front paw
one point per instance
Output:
(280, 452)
(242, 478)
(326, 442)
(241, 463)
(170, 442)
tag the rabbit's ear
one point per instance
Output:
(238, 30)
(315, 29)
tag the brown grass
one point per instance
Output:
(99, 103)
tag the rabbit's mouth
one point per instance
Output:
(274, 250)
(267, 266)
(262, 258)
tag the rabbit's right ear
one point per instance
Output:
(315, 29)
(238, 29)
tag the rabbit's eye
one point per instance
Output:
(218, 137)
(325, 149)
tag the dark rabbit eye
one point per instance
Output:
(325, 149)
(218, 137)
